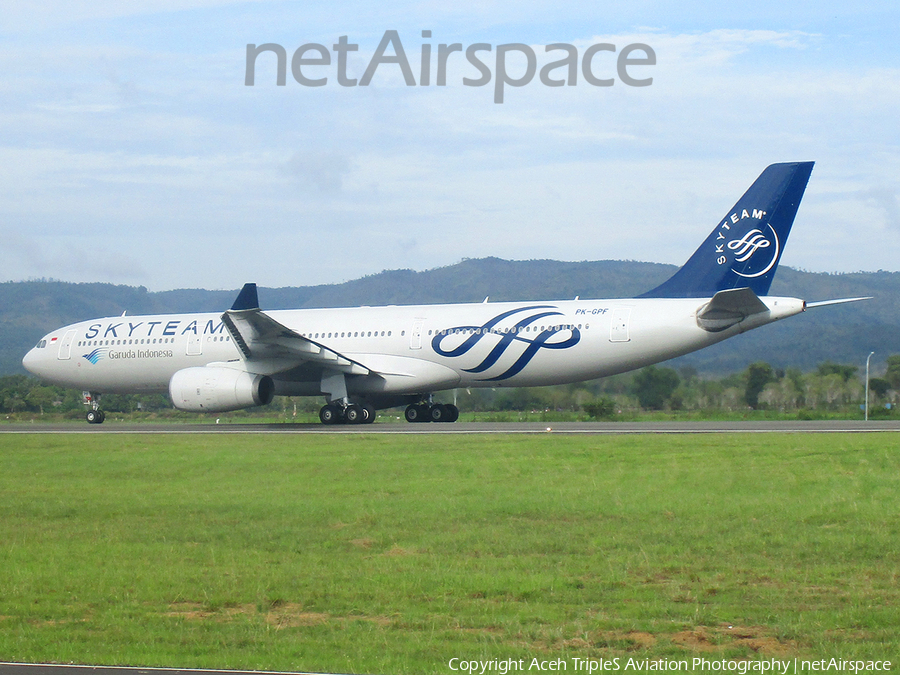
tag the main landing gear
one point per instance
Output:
(432, 412)
(353, 413)
(94, 415)
(335, 413)
(339, 409)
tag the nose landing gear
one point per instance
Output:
(94, 415)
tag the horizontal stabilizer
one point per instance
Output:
(825, 303)
(728, 308)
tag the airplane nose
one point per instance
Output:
(30, 361)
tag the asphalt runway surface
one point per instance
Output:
(47, 669)
(581, 428)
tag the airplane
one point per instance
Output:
(368, 358)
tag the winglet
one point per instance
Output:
(246, 299)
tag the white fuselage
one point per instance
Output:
(409, 349)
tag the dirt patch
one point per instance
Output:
(710, 640)
(615, 640)
(188, 610)
(643, 640)
(486, 630)
(291, 615)
(279, 615)
(195, 611)
(631, 640)
(697, 640)
(718, 638)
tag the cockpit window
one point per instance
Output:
(41, 344)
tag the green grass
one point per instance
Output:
(394, 554)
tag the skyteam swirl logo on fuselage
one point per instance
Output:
(505, 337)
(96, 355)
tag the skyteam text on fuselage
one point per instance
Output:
(367, 358)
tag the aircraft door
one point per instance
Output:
(194, 345)
(618, 328)
(65, 347)
(415, 337)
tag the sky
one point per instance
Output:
(133, 152)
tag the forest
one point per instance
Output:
(830, 390)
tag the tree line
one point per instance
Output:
(831, 387)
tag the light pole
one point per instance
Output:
(867, 384)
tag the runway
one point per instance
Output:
(463, 428)
(48, 669)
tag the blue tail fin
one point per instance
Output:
(744, 249)
(246, 299)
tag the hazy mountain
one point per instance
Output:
(844, 334)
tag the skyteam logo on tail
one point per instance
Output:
(747, 246)
(96, 355)
(752, 254)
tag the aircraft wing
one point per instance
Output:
(263, 340)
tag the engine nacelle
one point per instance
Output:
(204, 389)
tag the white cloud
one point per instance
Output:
(157, 148)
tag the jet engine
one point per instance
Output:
(204, 389)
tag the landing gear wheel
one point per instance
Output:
(95, 417)
(355, 414)
(417, 413)
(443, 412)
(370, 413)
(330, 414)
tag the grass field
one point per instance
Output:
(376, 554)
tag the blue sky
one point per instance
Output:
(132, 152)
